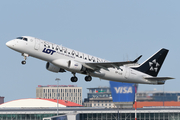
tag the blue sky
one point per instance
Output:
(113, 30)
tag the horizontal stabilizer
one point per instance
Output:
(136, 60)
(158, 78)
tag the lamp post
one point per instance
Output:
(57, 79)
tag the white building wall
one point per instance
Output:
(73, 94)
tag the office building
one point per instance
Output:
(99, 97)
(65, 92)
(158, 96)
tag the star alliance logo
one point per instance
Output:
(154, 65)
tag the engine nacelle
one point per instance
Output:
(69, 65)
(51, 67)
(75, 66)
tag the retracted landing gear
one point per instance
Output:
(74, 78)
(25, 57)
(88, 78)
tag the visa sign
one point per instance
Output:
(122, 92)
(123, 89)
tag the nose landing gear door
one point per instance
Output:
(37, 44)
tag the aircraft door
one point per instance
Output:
(37, 44)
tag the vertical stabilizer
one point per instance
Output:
(154, 63)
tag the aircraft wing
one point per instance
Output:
(158, 78)
(106, 65)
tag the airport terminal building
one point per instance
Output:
(86, 113)
(98, 106)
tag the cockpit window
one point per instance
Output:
(22, 38)
(19, 38)
(25, 39)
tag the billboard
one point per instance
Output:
(122, 92)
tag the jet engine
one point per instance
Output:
(70, 65)
(51, 67)
(75, 66)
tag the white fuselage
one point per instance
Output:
(52, 52)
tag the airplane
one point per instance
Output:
(62, 59)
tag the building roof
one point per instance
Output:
(58, 86)
(39, 103)
(157, 104)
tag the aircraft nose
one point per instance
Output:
(9, 44)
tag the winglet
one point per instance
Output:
(137, 59)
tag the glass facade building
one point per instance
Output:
(167, 113)
(24, 116)
(130, 116)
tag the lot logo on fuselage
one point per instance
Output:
(48, 51)
(123, 90)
